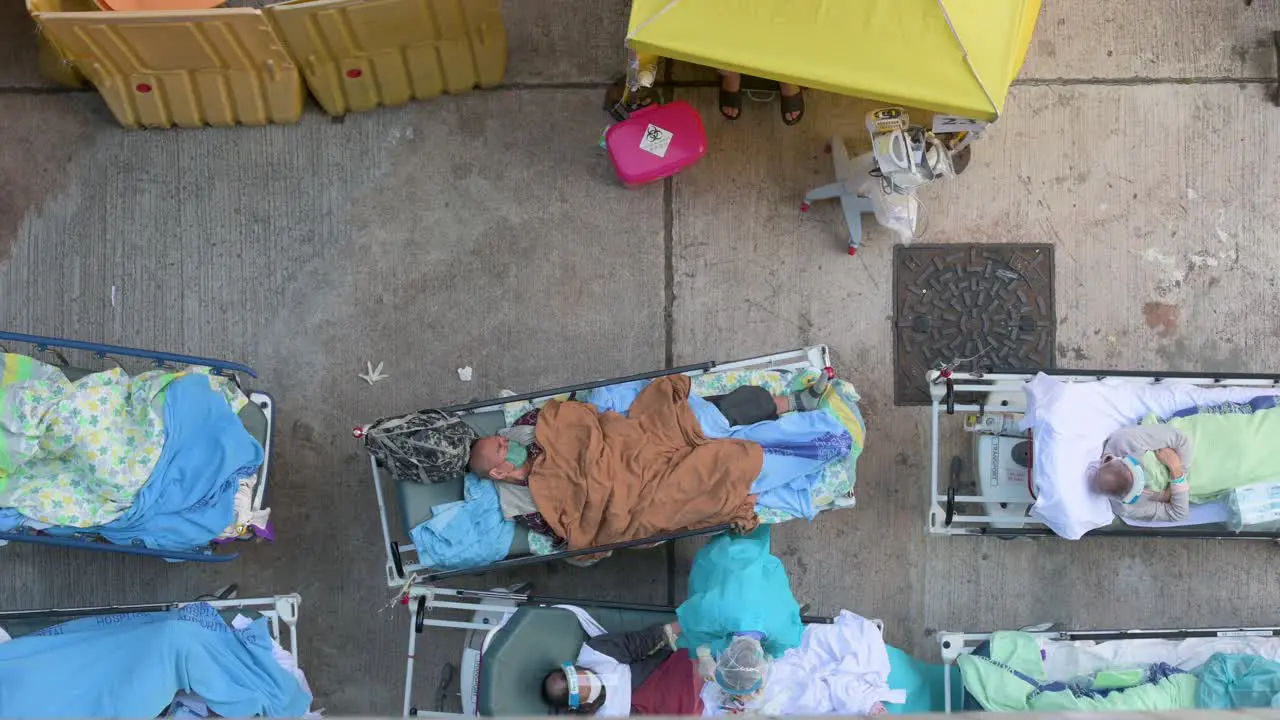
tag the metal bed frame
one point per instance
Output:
(1000, 392)
(400, 566)
(955, 644)
(111, 354)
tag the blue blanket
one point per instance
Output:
(796, 446)
(131, 666)
(465, 533)
(190, 498)
(1230, 682)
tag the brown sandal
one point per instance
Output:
(731, 100)
(792, 104)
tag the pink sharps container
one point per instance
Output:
(657, 141)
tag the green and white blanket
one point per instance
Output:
(1011, 678)
(1234, 445)
(75, 454)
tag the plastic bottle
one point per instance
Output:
(643, 69)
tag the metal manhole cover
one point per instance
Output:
(957, 301)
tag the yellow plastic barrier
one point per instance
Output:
(246, 66)
(359, 54)
(160, 69)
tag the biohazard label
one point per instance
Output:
(656, 140)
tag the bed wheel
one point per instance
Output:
(420, 615)
(953, 481)
(395, 559)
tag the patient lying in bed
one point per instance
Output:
(1120, 476)
(512, 456)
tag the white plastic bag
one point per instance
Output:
(898, 212)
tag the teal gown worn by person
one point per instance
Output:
(737, 585)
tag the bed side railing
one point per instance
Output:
(104, 352)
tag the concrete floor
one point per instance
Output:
(486, 230)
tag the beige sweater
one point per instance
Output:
(1141, 439)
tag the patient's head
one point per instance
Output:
(1113, 477)
(591, 692)
(495, 457)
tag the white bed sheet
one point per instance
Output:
(1070, 422)
(1068, 659)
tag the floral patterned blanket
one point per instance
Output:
(75, 454)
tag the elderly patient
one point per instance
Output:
(1119, 474)
(508, 456)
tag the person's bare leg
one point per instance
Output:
(783, 403)
(788, 90)
(731, 86)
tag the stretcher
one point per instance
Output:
(1070, 653)
(416, 499)
(513, 638)
(987, 469)
(281, 612)
(258, 417)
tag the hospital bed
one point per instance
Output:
(1071, 653)
(997, 468)
(281, 612)
(416, 499)
(513, 638)
(258, 417)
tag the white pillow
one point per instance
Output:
(1061, 453)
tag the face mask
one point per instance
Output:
(517, 454)
(1139, 480)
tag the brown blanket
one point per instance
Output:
(605, 478)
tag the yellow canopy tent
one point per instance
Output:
(950, 56)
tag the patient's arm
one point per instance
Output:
(1154, 508)
(630, 647)
(1139, 439)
